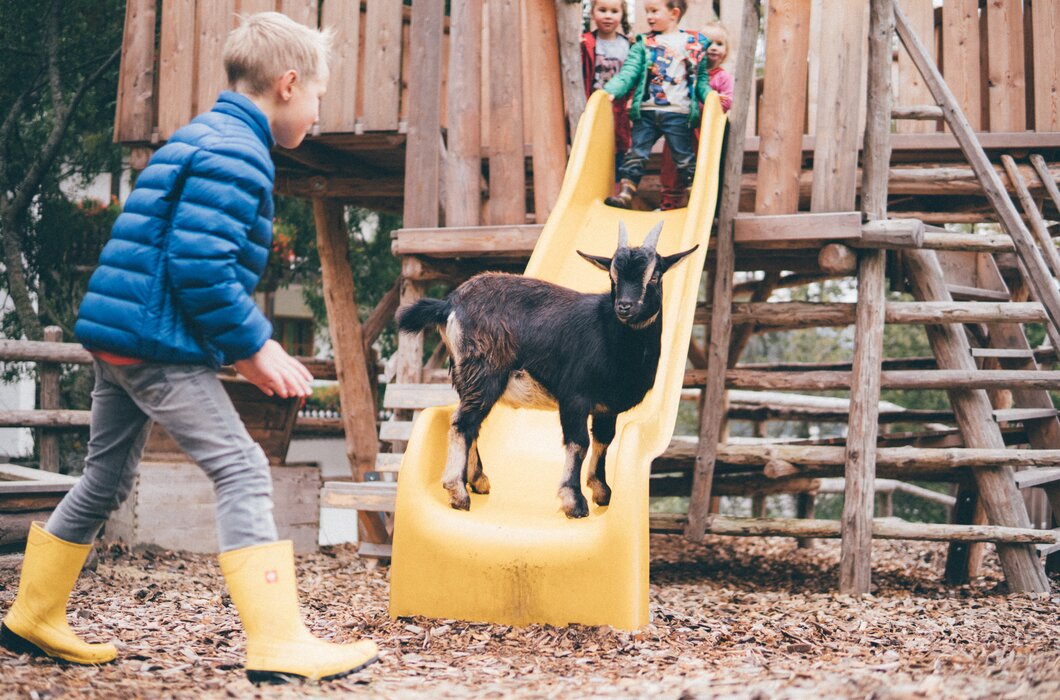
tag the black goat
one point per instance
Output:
(530, 343)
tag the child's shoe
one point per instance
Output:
(624, 198)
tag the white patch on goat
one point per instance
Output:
(523, 391)
(452, 336)
(456, 461)
(601, 493)
(572, 460)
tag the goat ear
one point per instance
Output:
(669, 261)
(598, 260)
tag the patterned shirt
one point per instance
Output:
(667, 88)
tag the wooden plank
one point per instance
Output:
(711, 419)
(382, 65)
(423, 148)
(467, 241)
(135, 117)
(338, 108)
(731, 15)
(805, 229)
(463, 165)
(964, 293)
(548, 136)
(1036, 477)
(894, 379)
(507, 202)
(370, 496)
(960, 55)
(783, 104)
(1022, 414)
(569, 26)
(176, 66)
(395, 431)
(212, 22)
(419, 396)
(388, 462)
(1006, 80)
(835, 158)
(910, 88)
(1045, 30)
(251, 7)
(1038, 275)
(301, 11)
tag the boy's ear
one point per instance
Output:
(285, 84)
(669, 261)
(597, 260)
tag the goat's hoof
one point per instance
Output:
(601, 493)
(574, 504)
(459, 498)
(481, 484)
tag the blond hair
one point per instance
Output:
(268, 44)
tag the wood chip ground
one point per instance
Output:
(731, 618)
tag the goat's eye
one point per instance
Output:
(655, 277)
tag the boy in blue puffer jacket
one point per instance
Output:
(170, 302)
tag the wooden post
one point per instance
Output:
(855, 565)
(134, 116)
(344, 326)
(463, 172)
(423, 148)
(960, 54)
(805, 504)
(1037, 273)
(1006, 81)
(569, 27)
(712, 402)
(997, 489)
(49, 400)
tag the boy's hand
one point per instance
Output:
(610, 97)
(273, 371)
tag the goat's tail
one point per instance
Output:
(425, 312)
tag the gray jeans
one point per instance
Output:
(190, 403)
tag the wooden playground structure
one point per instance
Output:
(848, 151)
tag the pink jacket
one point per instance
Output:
(721, 82)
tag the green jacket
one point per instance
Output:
(633, 76)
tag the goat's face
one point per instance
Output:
(636, 277)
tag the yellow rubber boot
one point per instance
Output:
(261, 581)
(36, 623)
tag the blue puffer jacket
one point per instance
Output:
(175, 280)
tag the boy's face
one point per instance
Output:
(607, 14)
(298, 108)
(661, 18)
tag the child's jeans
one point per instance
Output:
(190, 403)
(647, 130)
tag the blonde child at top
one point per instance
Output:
(604, 50)
(721, 82)
(666, 76)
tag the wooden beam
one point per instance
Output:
(338, 108)
(960, 55)
(916, 112)
(382, 62)
(344, 325)
(890, 233)
(423, 152)
(898, 379)
(1047, 178)
(1046, 66)
(1037, 272)
(176, 67)
(713, 396)
(796, 230)
(1006, 77)
(1030, 210)
(884, 529)
(569, 26)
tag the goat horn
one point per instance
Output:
(623, 235)
(652, 239)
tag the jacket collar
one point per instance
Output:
(240, 106)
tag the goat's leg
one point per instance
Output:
(476, 401)
(603, 434)
(476, 478)
(573, 419)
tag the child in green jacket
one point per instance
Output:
(666, 72)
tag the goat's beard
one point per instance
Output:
(641, 325)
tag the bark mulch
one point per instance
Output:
(731, 618)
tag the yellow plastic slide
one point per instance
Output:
(514, 558)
